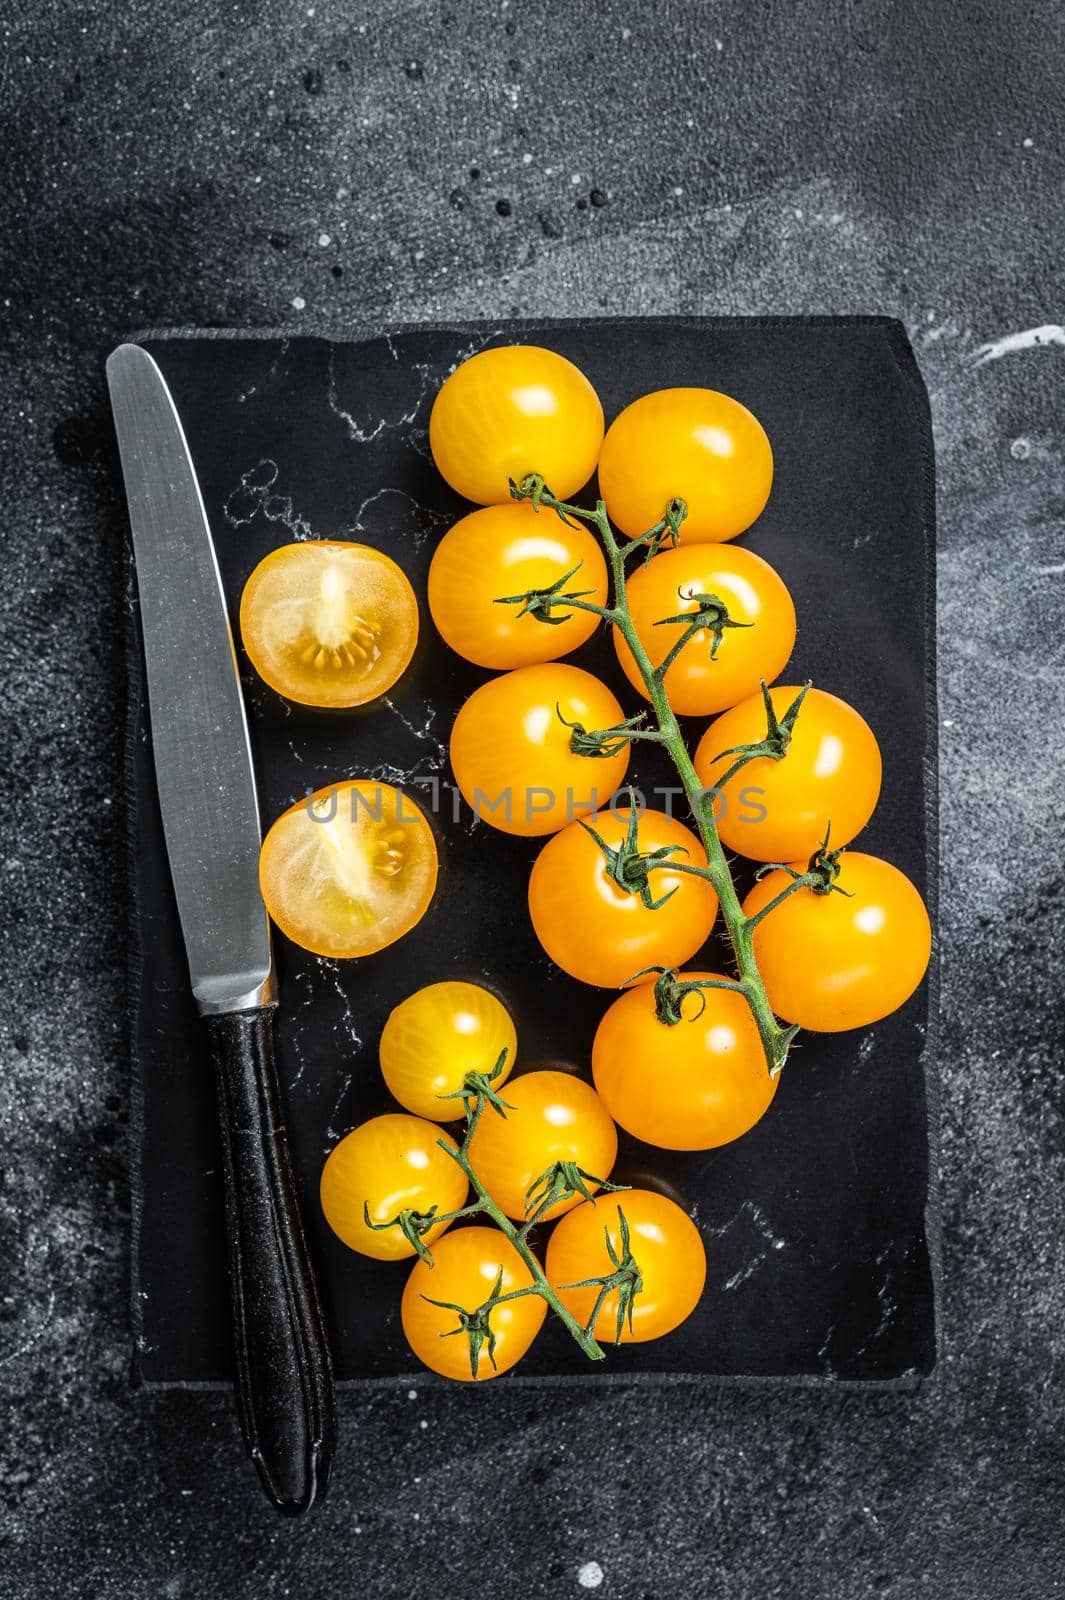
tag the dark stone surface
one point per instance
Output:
(176, 165)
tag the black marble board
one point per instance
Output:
(817, 1223)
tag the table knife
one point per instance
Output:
(206, 781)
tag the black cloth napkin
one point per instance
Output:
(818, 1223)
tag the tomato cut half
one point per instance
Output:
(327, 623)
(349, 870)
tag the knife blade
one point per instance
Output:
(207, 796)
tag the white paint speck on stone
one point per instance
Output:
(324, 239)
(1027, 143)
(1050, 333)
(590, 1575)
(298, 303)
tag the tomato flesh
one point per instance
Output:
(350, 870)
(329, 624)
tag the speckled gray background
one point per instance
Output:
(317, 165)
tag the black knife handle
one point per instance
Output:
(284, 1373)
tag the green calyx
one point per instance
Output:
(625, 1280)
(630, 867)
(477, 1092)
(671, 990)
(775, 745)
(540, 603)
(711, 616)
(564, 1180)
(602, 743)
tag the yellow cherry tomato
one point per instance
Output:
(695, 444)
(328, 624)
(780, 810)
(665, 1245)
(691, 1085)
(553, 1117)
(465, 1270)
(512, 411)
(511, 753)
(350, 870)
(435, 1037)
(601, 932)
(509, 550)
(390, 1164)
(705, 678)
(836, 961)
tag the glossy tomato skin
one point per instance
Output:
(699, 683)
(466, 1263)
(697, 1084)
(664, 1243)
(511, 411)
(509, 550)
(510, 750)
(601, 933)
(779, 810)
(435, 1036)
(831, 962)
(327, 623)
(695, 444)
(390, 1164)
(349, 871)
(554, 1117)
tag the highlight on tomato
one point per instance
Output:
(694, 444)
(507, 551)
(470, 1265)
(665, 1246)
(551, 1118)
(512, 748)
(434, 1037)
(606, 897)
(778, 807)
(747, 631)
(389, 1165)
(846, 956)
(693, 1084)
(327, 623)
(512, 411)
(350, 869)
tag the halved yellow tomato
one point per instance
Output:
(350, 869)
(327, 623)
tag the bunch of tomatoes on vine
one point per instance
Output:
(621, 896)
